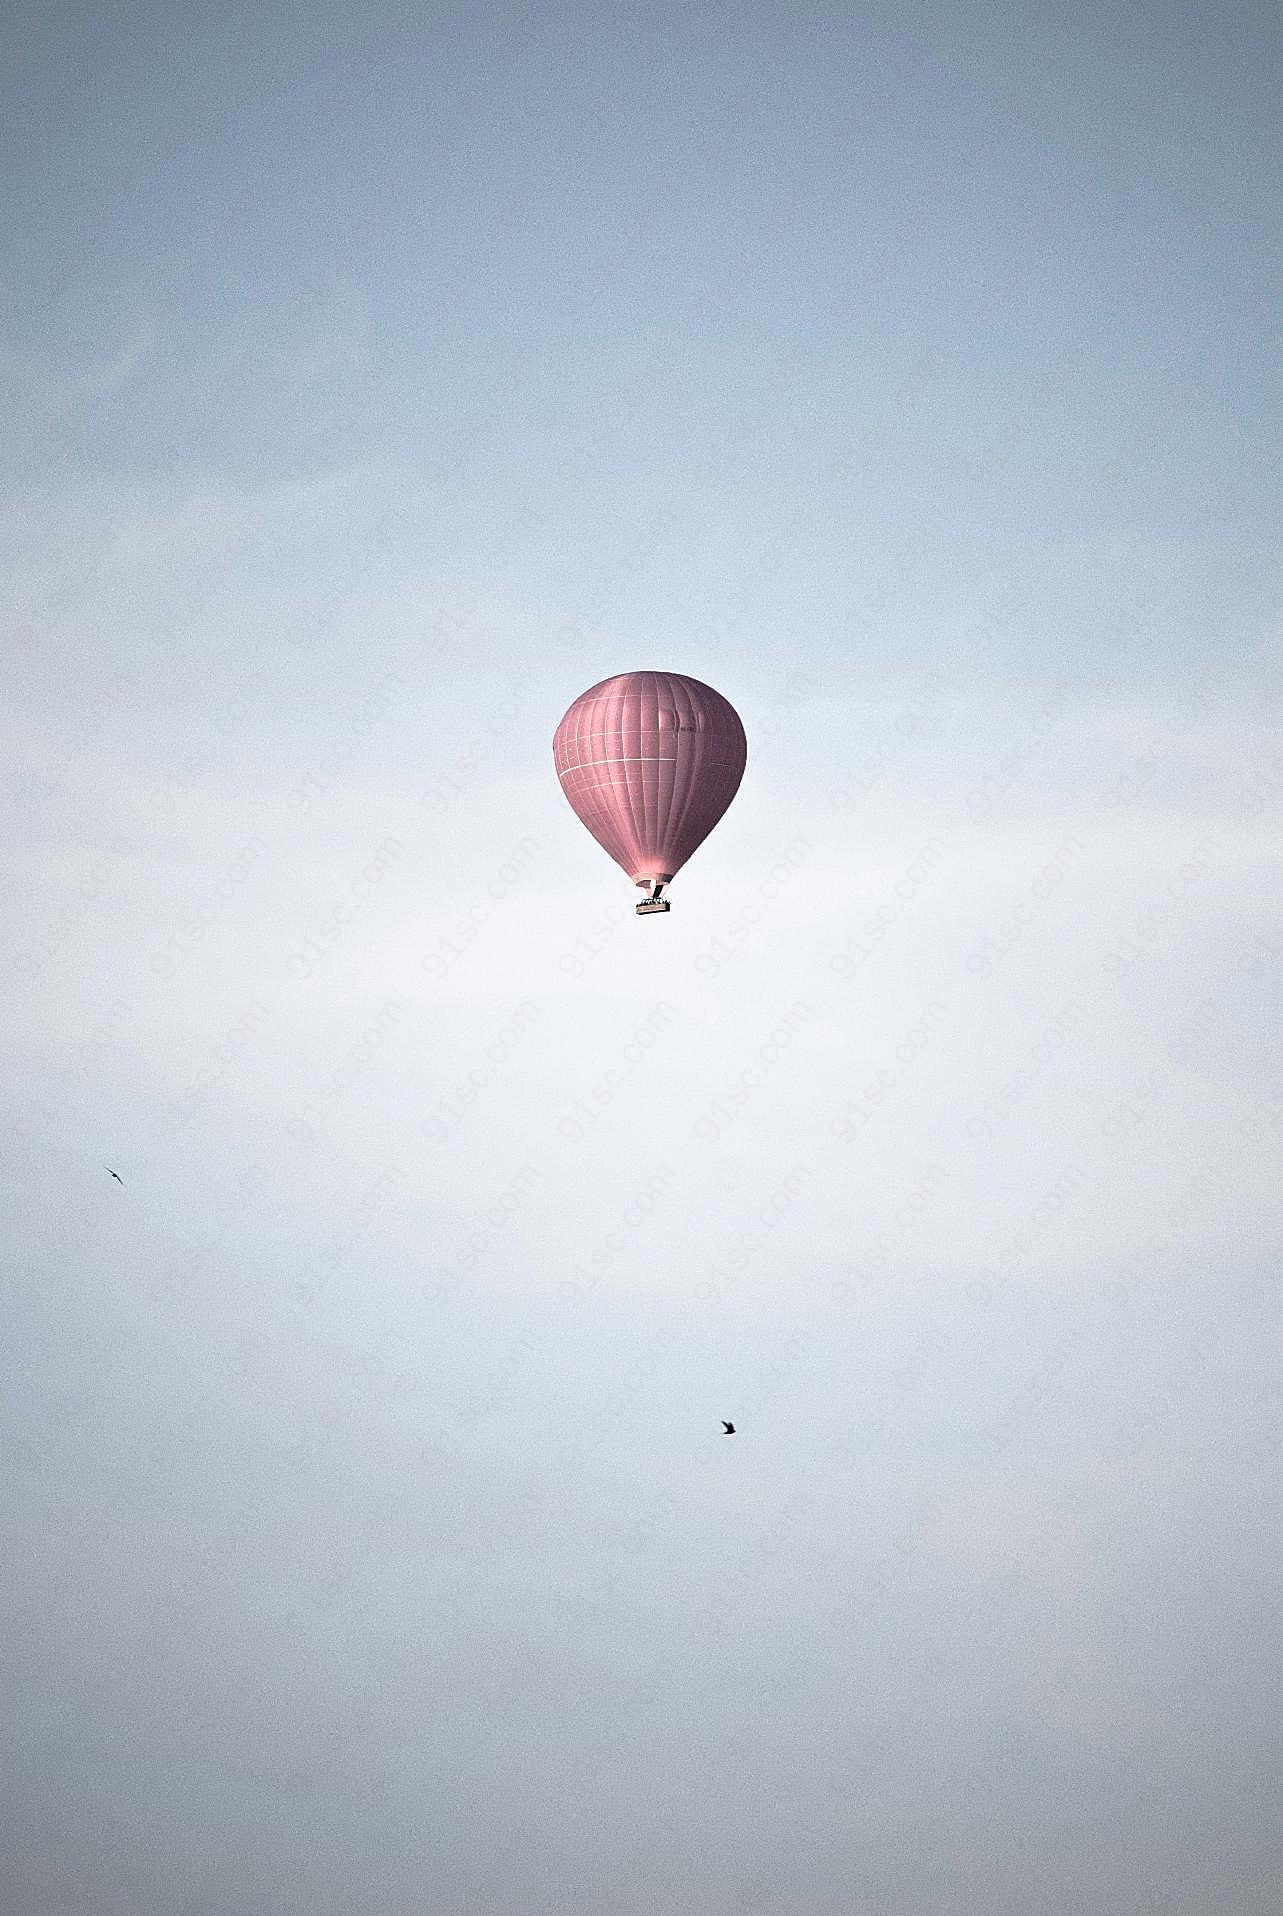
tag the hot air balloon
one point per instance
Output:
(649, 762)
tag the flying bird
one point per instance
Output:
(728, 1430)
(115, 1174)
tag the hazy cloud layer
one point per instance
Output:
(376, 387)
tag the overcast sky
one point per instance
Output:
(376, 384)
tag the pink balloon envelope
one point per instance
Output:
(650, 761)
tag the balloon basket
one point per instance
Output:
(654, 902)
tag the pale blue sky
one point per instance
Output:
(373, 386)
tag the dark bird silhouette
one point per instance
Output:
(115, 1174)
(728, 1430)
